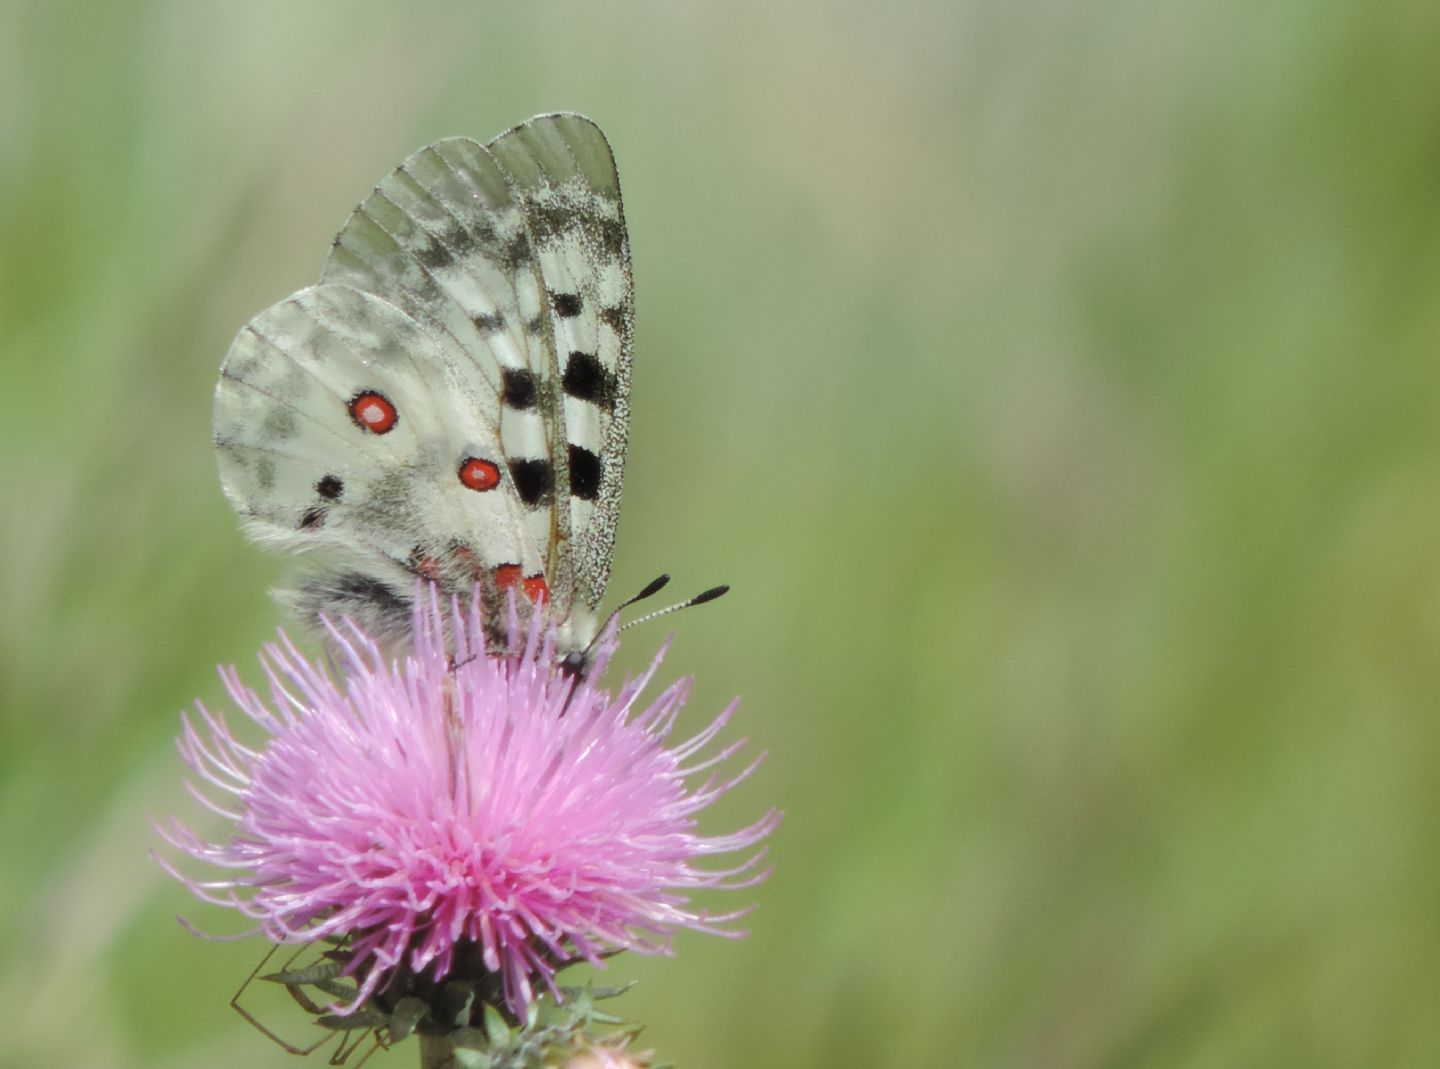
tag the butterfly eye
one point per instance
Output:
(373, 412)
(477, 474)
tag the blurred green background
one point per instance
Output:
(1057, 384)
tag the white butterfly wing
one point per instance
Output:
(378, 503)
(452, 400)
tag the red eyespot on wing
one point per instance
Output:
(507, 575)
(536, 588)
(477, 474)
(373, 412)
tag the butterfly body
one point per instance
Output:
(450, 402)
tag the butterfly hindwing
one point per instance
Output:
(324, 440)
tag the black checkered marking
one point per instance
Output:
(534, 480)
(566, 305)
(518, 388)
(586, 470)
(587, 380)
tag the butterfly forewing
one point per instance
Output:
(451, 401)
(565, 174)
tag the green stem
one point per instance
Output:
(435, 1052)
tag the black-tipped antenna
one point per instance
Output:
(651, 589)
(699, 599)
(709, 595)
(576, 661)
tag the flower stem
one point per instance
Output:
(435, 1052)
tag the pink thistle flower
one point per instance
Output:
(454, 816)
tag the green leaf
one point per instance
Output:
(611, 992)
(496, 1028)
(310, 974)
(471, 1048)
(457, 1004)
(362, 1018)
(341, 990)
(408, 1013)
(470, 1058)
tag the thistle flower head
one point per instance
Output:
(459, 815)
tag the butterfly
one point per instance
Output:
(451, 401)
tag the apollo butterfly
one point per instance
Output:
(451, 401)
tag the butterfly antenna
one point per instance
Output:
(651, 589)
(699, 599)
(575, 662)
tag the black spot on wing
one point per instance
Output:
(615, 318)
(433, 255)
(482, 233)
(612, 235)
(518, 388)
(566, 305)
(517, 253)
(550, 219)
(534, 480)
(585, 471)
(587, 380)
(330, 488)
(489, 324)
